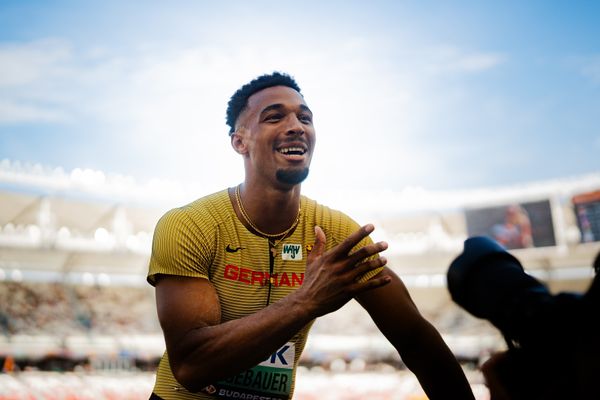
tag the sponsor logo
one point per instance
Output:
(251, 277)
(210, 389)
(281, 358)
(230, 249)
(291, 252)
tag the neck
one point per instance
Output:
(272, 211)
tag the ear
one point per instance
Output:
(238, 140)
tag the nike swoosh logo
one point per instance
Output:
(229, 249)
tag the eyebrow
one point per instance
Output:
(279, 106)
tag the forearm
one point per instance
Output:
(436, 368)
(417, 341)
(207, 354)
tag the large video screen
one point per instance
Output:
(515, 226)
(587, 210)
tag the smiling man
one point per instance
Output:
(241, 274)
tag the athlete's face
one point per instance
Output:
(276, 135)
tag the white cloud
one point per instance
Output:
(478, 62)
(166, 103)
(16, 113)
(37, 82)
(452, 59)
(172, 105)
(23, 64)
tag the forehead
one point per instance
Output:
(283, 95)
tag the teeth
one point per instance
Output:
(287, 150)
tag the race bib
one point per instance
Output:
(269, 380)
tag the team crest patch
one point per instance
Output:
(291, 252)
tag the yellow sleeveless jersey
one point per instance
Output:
(205, 239)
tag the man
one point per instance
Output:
(241, 274)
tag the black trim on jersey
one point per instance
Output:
(271, 269)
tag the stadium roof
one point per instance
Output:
(85, 221)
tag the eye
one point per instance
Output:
(273, 117)
(305, 118)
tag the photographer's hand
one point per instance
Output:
(495, 373)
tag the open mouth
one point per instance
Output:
(292, 151)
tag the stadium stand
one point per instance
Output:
(74, 249)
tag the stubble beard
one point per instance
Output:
(291, 176)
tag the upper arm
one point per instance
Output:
(178, 269)
(184, 305)
(186, 301)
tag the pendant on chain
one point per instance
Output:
(273, 249)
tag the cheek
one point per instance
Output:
(313, 143)
(311, 135)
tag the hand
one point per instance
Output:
(331, 277)
(496, 371)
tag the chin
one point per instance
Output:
(292, 176)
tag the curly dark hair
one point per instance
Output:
(238, 102)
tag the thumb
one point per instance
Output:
(319, 246)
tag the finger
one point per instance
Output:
(367, 266)
(344, 248)
(319, 246)
(367, 251)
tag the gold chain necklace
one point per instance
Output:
(270, 236)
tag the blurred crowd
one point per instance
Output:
(343, 359)
(60, 309)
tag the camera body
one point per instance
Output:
(553, 340)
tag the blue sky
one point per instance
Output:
(440, 95)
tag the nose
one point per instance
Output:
(294, 126)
